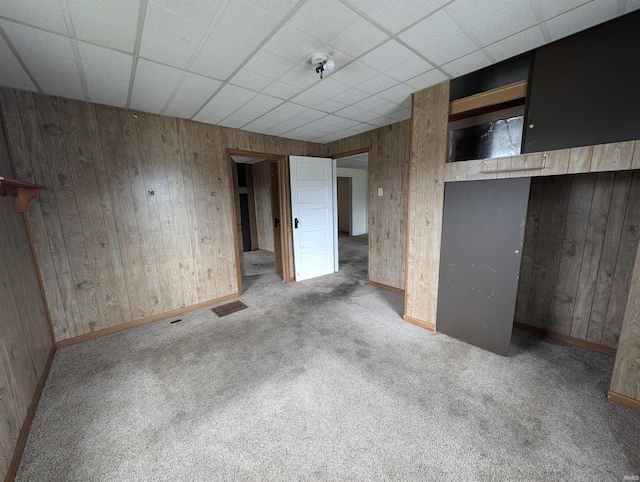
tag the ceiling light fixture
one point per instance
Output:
(322, 62)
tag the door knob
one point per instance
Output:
(276, 222)
(296, 221)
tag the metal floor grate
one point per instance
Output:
(228, 308)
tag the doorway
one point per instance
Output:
(353, 214)
(257, 195)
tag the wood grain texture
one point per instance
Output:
(626, 371)
(388, 149)
(612, 157)
(593, 261)
(426, 201)
(571, 250)
(262, 198)
(25, 336)
(253, 226)
(136, 217)
(580, 159)
(610, 247)
(548, 248)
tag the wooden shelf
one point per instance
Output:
(22, 191)
(489, 100)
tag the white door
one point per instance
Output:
(312, 215)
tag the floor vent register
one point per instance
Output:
(228, 308)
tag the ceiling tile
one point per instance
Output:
(217, 69)
(199, 11)
(310, 114)
(269, 65)
(101, 32)
(47, 15)
(32, 38)
(197, 83)
(98, 74)
(101, 93)
(110, 24)
(377, 84)
(398, 93)
(474, 12)
(387, 55)
(552, 8)
(275, 117)
(376, 105)
(55, 83)
(300, 77)
(238, 94)
(359, 38)
(328, 88)
(277, 7)
(153, 85)
(220, 48)
(431, 31)
(450, 49)
(426, 80)
(351, 96)
(324, 19)
(355, 74)
(252, 110)
(244, 23)
(398, 14)
(514, 20)
(465, 65)
(265, 101)
(409, 69)
(169, 38)
(251, 80)
(290, 109)
(517, 44)
(222, 103)
(581, 18)
(106, 58)
(52, 63)
(183, 106)
(282, 90)
(236, 120)
(355, 113)
(293, 45)
(211, 115)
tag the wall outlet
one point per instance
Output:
(379, 191)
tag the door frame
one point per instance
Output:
(362, 150)
(283, 205)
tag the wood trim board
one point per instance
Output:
(499, 95)
(421, 324)
(386, 287)
(26, 426)
(623, 400)
(565, 338)
(132, 324)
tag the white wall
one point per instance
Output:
(359, 201)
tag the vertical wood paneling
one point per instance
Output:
(388, 168)
(591, 255)
(548, 247)
(530, 242)
(136, 217)
(25, 336)
(572, 248)
(264, 212)
(609, 256)
(597, 223)
(426, 201)
(252, 207)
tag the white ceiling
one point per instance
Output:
(244, 63)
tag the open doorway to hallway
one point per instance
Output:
(258, 192)
(353, 214)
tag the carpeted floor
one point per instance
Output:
(323, 380)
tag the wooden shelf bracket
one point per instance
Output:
(22, 191)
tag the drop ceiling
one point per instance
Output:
(245, 63)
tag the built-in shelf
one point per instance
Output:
(493, 99)
(22, 191)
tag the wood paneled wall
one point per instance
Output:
(262, 198)
(388, 169)
(25, 336)
(581, 240)
(430, 115)
(137, 218)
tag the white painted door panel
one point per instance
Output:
(312, 216)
